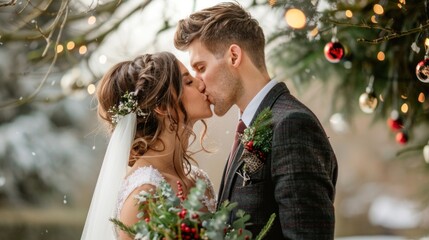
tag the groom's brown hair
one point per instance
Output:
(220, 26)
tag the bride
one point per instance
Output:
(151, 105)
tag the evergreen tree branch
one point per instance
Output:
(391, 34)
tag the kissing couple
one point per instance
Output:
(151, 104)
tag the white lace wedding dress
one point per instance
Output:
(150, 175)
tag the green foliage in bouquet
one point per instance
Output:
(166, 215)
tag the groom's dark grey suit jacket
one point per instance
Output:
(297, 181)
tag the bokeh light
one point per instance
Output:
(59, 48)
(381, 56)
(378, 9)
(404, 108)
(102, 59)
(349, 14)
(83, 49)
(314, 32)
(295, 18)
(70, 45)
(92, 20)
(421, 97)
(91, 89)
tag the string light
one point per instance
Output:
(83, 49)
(295, 18)
(404, 108)
(91, 89)
(314, 32)
(92, 20)
(59, 48)
(349, 14)
(421, 97)
(70, 45)
(374, 19)
(381, 56)
(378, 9)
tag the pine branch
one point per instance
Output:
(123, 227)
(391, 34)
(266, 228)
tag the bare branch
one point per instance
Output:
(21, 101)
(12, 2)
(41, 8)
(117, 23)
(64, 6)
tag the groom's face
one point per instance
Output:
(220, 81)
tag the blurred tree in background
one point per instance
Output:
(367, 49)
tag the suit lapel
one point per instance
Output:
(268, 101)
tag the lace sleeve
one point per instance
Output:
(141, 176)
(210, 198)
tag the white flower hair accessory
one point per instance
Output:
(127, 104)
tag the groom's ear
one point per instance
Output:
(235, 55)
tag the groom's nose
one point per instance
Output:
(201, 85)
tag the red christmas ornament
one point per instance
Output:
(395, 122)
(422, 70)
(334, 51)
(401, 138)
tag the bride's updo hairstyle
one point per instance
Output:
(157, 80)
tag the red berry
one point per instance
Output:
(249, 145)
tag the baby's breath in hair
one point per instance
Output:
(127, 104)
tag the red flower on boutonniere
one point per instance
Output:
(257, 142)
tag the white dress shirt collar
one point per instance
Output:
(251, 108)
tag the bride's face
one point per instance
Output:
(194, 100)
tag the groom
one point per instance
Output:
(297, 180)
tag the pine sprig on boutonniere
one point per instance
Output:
(257, 140)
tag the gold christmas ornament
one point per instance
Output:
(426, 153)
(368, 102)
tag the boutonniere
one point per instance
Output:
(257, 143)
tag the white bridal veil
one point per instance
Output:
(112, 173)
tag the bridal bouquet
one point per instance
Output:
(166, 215)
